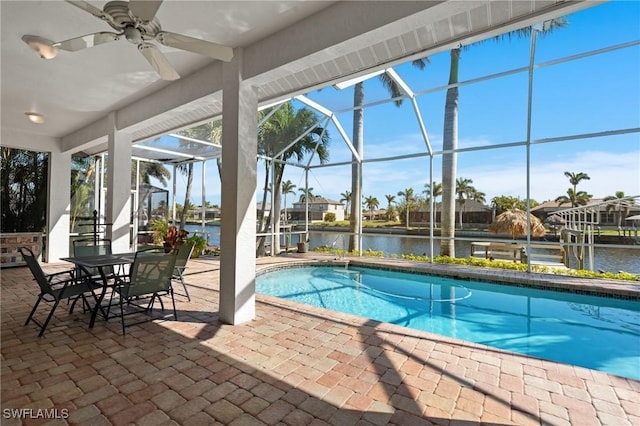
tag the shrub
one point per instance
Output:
(199, 244)
(330, 217)
(160, 228)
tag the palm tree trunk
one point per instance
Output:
(262, 224)
(356, 197)
(407, 223)
(449, 161)
(275, 244)
(187, 196)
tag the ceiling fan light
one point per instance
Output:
(43, 47)
(133, 35)
(34, 117)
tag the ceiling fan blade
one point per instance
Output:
(86, 41)
(92, 10)
(158, 61)
(145, 10)
(195, 45)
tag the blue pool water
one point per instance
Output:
(594, 332)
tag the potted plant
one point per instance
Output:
(167, 235)
(303, 246)
(199, 244)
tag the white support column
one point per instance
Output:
(119, 188)
(58, 221)
(239, 174)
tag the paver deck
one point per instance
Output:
(292, 365)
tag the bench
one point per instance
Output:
(514, 252)
(500, 251)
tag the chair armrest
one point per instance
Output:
(56, 275)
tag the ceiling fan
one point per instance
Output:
(136, 22)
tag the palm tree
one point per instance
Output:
(150, 170)
(576, 178)
(306, 193)
(287, 188)
(372, 203)
(580, 198)
(202, 132)
(622, 208)
(464, 191)
(390, 199)
(82, 187)
(346, 198)
(435, 192)
(276, 134)
(358, 135)
(450, 139)
(478, 196)
(407, 194)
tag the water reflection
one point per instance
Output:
(606, 259)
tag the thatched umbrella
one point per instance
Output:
(555, 222)
(514, 222)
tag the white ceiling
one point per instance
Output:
(288, 47)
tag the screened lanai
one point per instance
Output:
(107, 99)
(536, 138)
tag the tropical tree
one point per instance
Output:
(408, 197)
(24, 177)
(433, 192)
(210, 132)
(358, 135)
(621, 207)
(82, 188)
(478, 196)
(346, 198)
(305, 193)
(580, 198)
(390, 199)
(372, 203)
(464, 191)
(287, 188)
(275, 137)
(150, 170)
(450, 137)
(576, 178)
(502, 203)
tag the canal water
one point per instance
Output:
(605, 258)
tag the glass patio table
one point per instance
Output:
(99, 263)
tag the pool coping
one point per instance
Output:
(617, 289)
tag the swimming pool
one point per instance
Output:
(594, 332)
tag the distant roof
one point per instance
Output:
(554, 205)
(319, 200)
(469, 206)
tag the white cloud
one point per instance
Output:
(609, 173)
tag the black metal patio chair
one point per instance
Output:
(183, 256)
(149, 279)
(55, 288)
(93, 247)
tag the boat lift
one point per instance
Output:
(577, 236)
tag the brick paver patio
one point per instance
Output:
(292, 365)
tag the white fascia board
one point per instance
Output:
(311, 36)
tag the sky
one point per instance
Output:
(588, 95)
